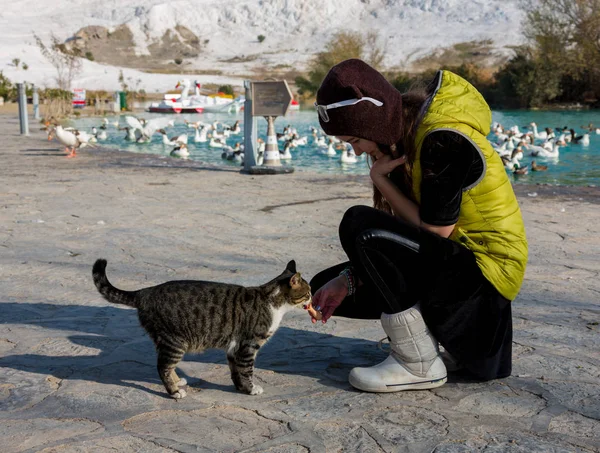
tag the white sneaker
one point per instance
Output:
(413, 364)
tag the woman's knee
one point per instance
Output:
(353, 221)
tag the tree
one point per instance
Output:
(567, 32)
(122, 82)
(226, 89)
(261, 38)
(15, 62)
(7, 89)
(343, 45)
(67, 63)
(518, 82)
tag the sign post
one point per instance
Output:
(249, 129)
(270, 100)
(36, 103)
(22, 98)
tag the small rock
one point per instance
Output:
(101, 222)
(532, 194)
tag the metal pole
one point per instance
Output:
(36, 103)
(249, 129)
(23, 109)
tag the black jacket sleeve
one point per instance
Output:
(449, 163)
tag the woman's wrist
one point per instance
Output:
(379, 180)
(347, 275)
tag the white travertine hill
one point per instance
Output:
(294, 29)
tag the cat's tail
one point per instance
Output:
(110, 293)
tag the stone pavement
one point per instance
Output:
(78, 374)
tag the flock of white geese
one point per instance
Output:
(139, 130)
(512, 145)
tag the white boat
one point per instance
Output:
(196, 103)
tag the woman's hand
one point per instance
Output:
(384, 165)
(329, 297)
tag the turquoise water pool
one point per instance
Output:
(577, 165)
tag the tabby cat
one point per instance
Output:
(191, 316)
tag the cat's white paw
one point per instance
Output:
(179, 394)
(256, 390)
(182, 382)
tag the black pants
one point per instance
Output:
(400, 265)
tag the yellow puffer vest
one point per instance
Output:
(490, 222)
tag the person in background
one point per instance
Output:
(442, 253)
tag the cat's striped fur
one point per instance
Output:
(191, 316)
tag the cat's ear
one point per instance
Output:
(295, 280)
(291, 266)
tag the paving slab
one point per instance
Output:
(78, 374)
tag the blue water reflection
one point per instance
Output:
(577, 165)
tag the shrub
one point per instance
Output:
(343, 45)
(178, 61)
(89, 55)
(7, 89)
(261, 38)
(227, 89)
(25, 66)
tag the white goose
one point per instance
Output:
(147, 128)
(235, 129)
(183, 138)
(216, 143)
(67, 138)
(540, 151)
(330, 150)
(286, 154)
(539, 135)
(348, 157)
(165, 138)
(511, 164)
(114, 123)
(131, 133)
(501, 150)
(235, 154)
(100, 135)
(261, 145)
(516, 131)
(320, 141)
(85, 138)
(303, 141)
(585, 140)
(72, 140)
(200, 135)
(180, 151)
(193, 125)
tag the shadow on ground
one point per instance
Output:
(107, 345)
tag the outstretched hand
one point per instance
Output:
(327, 299)
(385, 164)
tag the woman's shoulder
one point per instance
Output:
(452, 152)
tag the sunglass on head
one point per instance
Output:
(322, 109)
